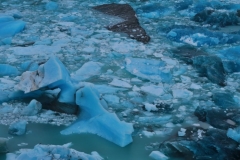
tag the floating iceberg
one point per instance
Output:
(48, 152)
(33, 108)
(157, 155)
(18, 128)
(219, 18)
(95, 119)
(88, 70)
(130, 25)
(234, 134)
(52, 74)
(9, 27)
(7, 70)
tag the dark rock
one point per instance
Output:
(219, 118)
(214, 17)
(202, 145)
(211, 67)
(17, 128)
(131, 24)
(48, 102)
(164, 107)
(207, 65)
(238, 13)
(201, 113)
(62, 107)
(187, 52)
(153, 10)
(202, 16)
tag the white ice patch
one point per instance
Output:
(88, 70)
(36, 50)
(195, 86)
(182, 132)
(111, 99)
(150, 107)
(234, 134)
(123, 47)
(120, 83)
(181, 93)
(188, 40)
(153, 89)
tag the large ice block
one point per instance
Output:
(95, 119)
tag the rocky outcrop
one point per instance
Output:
(130, 25)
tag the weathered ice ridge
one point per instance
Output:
(130, 26)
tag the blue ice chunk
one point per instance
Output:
(29, 66)
(153, 10)
(111, 99)
(5, 18)
(51, 6)
(88, 70)
(6, 109)
(108, 89)
(49, 152)
(7, 70)
(201, 36)
(231, 66)
(17, 128)
(32, 109)
(157, 155)
(225, 100)
(150, 69)
(57, 76)
(231, 58)
(234, 134)
(6, 41)
(95, 119)
(10, 28)
(211, 67)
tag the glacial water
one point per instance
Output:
(50, 134)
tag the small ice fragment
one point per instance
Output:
(182, 133)
(150, 107)
(120, 83)
(157, 155)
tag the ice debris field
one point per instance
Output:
(157, 77)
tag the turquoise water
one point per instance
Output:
(49, 134)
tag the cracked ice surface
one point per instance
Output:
(147, 85)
